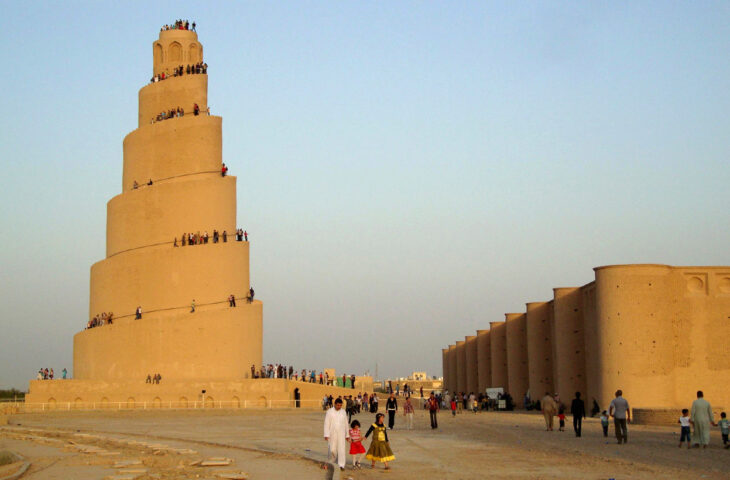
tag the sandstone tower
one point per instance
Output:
(173, 184)
(181, 156)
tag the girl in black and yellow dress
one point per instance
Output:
(379, 448)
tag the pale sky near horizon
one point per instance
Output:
(408, 171)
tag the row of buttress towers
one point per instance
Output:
(655, 331)
(182, 157)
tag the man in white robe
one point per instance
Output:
(336, 433)
(702, 418)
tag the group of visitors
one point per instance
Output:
(461, 401)
(203, 238)
(231, 300)
(136, 185)
(277, 370)
(100, 320)
(551, 406)
(177, 112)
(338, 430)
(166, 115)
(180, 70)
(355, 404)
(153, 378)
(700, 416)
(48, 374)
(107, 319)
(179, 25)
(271, 371)
(407, 390)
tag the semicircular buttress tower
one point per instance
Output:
(172, 184)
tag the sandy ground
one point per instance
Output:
(269, 444)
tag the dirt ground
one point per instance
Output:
(271, 444)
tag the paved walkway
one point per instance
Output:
(275, 444)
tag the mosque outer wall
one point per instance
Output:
(661, 352)
(460, 353)
(569, 343)
(445, 365)
(498, 349)
(471, 365)
(654, 331)
(452, 369)
(484, 368)
(517, 369)
(592, 344)
(539, 349)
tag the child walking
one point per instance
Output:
(356, 448)
(684, 428)
(379, 448)
(724, 425)
(604, 422)
(453, 407)
(561, 417)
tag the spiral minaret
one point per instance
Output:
(172, 184)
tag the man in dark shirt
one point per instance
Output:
(433, 408)
(391, 405)
(578, 410)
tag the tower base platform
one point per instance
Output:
(246, 393)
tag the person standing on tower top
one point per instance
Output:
(250, 295)
(245, 235)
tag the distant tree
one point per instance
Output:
(12, 394)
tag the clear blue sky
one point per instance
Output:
(409, 171)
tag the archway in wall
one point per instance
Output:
(175, 52)
(78, 403)
(209, 402)
(193, 55)
(157, 54)
(262, 402)
(157, 402)
(130, 402)
(235, 402)
(183, 402)
(51, 403)
(104, 402)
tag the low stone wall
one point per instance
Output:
(663, 416)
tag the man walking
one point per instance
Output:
(433, 408)
(549, 409)
(702, 418)
(391, 405)
(578, 410)
(336, 433)
(619, 410)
